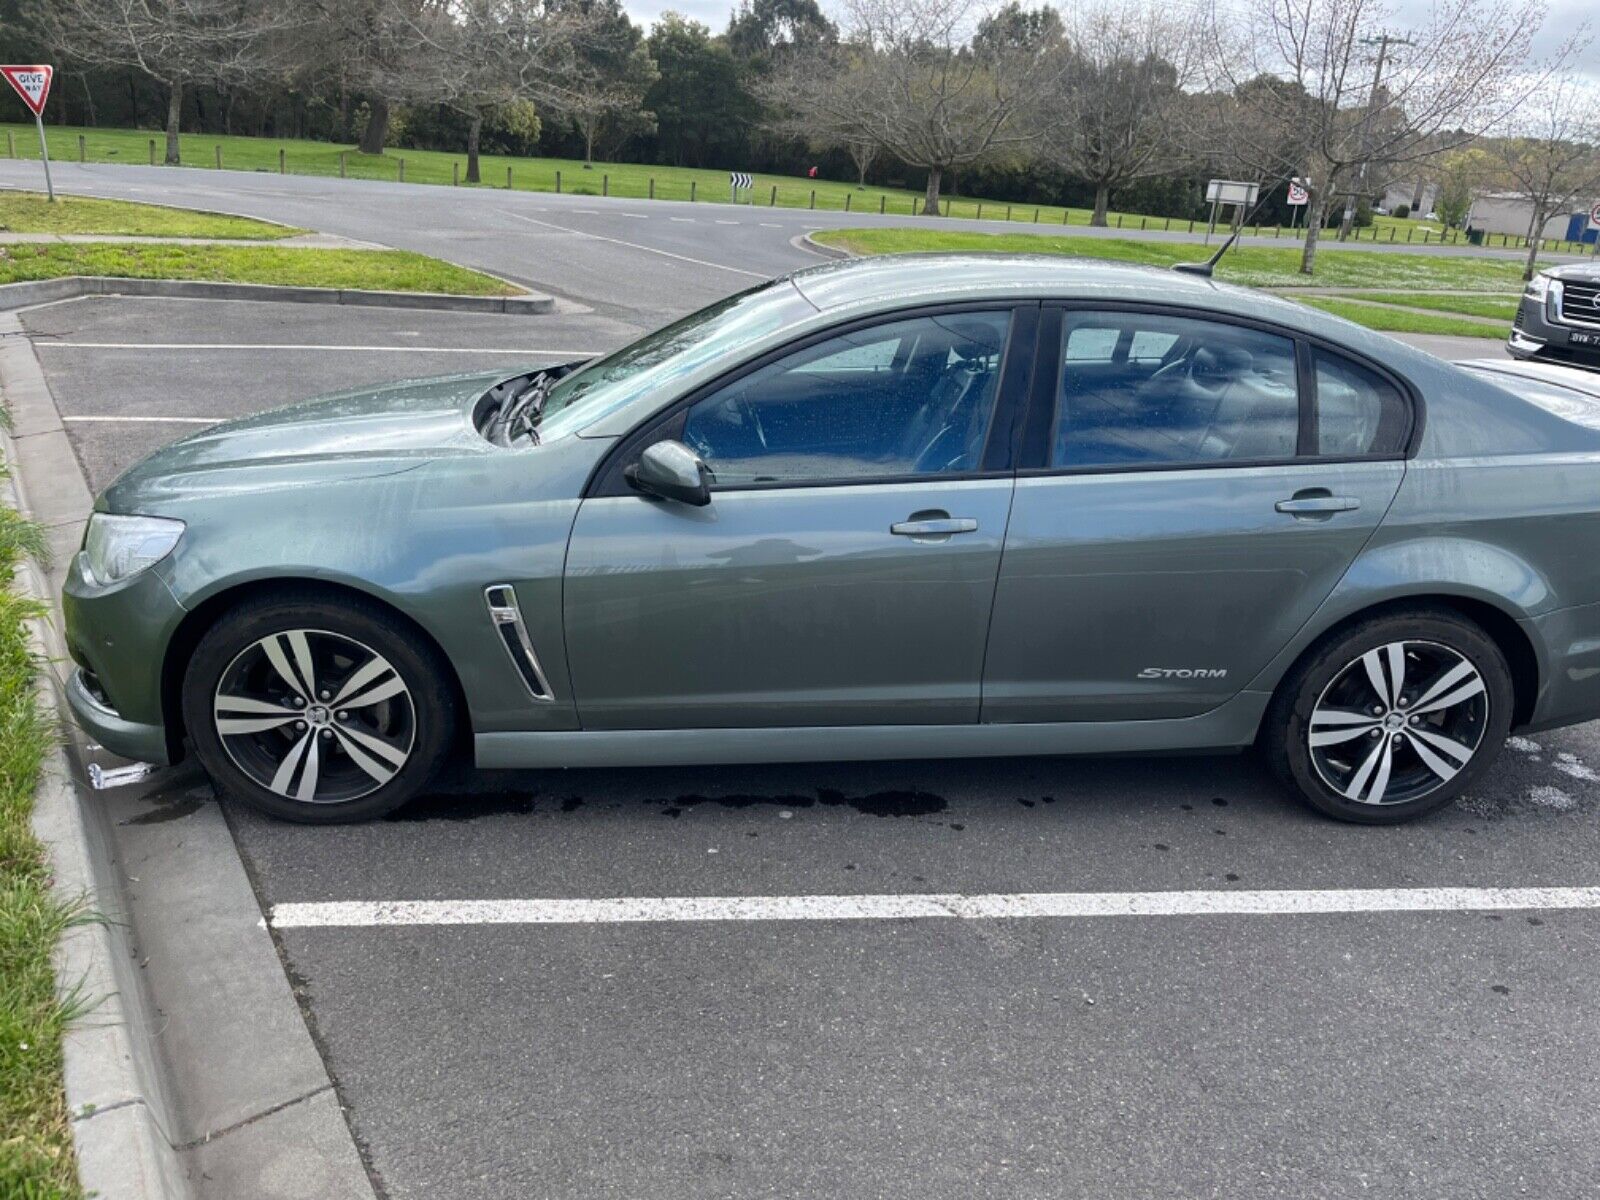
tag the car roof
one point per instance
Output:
(902, 280)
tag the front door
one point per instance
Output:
(1200, 489)
(844, 571)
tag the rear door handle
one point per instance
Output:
(934, 527)
(1317, 505)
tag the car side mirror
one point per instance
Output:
(672, 471)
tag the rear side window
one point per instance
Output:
(1358, 411)
(1142, 389)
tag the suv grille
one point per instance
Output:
(1580, 301)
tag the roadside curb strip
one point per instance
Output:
(72, 287)
(119, 1131)
(806, 242)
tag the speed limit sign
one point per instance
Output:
(1594, 215)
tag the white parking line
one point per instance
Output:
(523, 353)
(999, 906)
(699, 262)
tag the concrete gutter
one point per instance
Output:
(71, 287)
(194, 1075)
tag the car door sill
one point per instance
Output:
(1229, 725)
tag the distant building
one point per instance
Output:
(1512, 213)
(1418, 195)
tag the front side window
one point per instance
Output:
(905, 398)
(1142, 389)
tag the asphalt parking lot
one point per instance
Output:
(1446, 1054)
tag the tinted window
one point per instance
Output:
(1146, 389)
(1358, 411)
(911, 397)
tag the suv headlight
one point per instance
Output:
(1538, 287)
(117, 547)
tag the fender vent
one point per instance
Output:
(507, 618)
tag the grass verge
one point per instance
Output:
(36, 1159)
(1399, 320)
(1499, 308)
(30, 212)
(1255, 266)
(366, 270)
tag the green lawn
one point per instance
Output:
(1499, 308)
(1255, 266)
(367, 270)
(1396, 320)
(36, 1161)
(33, 212)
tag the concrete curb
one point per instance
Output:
(119, 1118)
(806, 242)
(48, 291)
(196, 1075)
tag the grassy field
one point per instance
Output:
(1255, 266)
(1400, 320)
(367, 270)
(1499, 308)
(36, 1160)
(33, 212)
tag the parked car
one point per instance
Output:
(904, 507)
(1559, 317)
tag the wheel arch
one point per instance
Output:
(204, 615)
(1503, 629)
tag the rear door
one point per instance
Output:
(1191, 492)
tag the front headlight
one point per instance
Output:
(116, 548)
(1538, 288)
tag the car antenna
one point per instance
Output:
(1204, 269)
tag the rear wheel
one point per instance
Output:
(317, 711)
(1393, 718)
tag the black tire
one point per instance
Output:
(352, 762)
(1409, 749)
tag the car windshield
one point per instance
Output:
(659, 359)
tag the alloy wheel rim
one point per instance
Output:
(1398, 723)
(314, 716)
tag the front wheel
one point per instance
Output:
(1391, 719)
(317, 711)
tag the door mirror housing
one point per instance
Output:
(672, 471)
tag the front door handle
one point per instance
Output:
(933, 527)
(1317, 502)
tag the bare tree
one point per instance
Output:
(1556, 162)
(597, 93)
(1363, 93)
(178, 43)
(913, 79)
(1113, 115)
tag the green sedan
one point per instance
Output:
(900, 508)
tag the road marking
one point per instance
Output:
(682, 220)
(637, 909)
(524, 353)
(699, 262)
(770, 225)
(636, 216)
(149, 420)
(588, 212)
(728, 222)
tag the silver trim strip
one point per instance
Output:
(504, 610)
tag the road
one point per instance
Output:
(633, 260)
(1398, 1055)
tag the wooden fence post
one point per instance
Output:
(847, 202)
(83, 153)
(342, 168)
(281, 170)
(508, 177)
(402, 170)
(605, 185)
(558, 183)
(455, 174)
(883, 203)
(693, 183)
(652, 187)
(152, 151)
(219, 156)
(813, 197)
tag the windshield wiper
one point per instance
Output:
(528, 407)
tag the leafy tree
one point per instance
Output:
(700, 107)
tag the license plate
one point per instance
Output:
(1577, 338)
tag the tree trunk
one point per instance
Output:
(1535, 228)
(473, 130)
(588, 142)
(174, 114)
(1102, 203)
(1314, 216)
(930, 203)
(377, 131)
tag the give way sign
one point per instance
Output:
(32, 84)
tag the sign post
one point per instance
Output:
(1594, 219)
(33, 85)
(1229, 191)
(1298, 199)
(737, 180)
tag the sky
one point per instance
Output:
(1564, 16)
